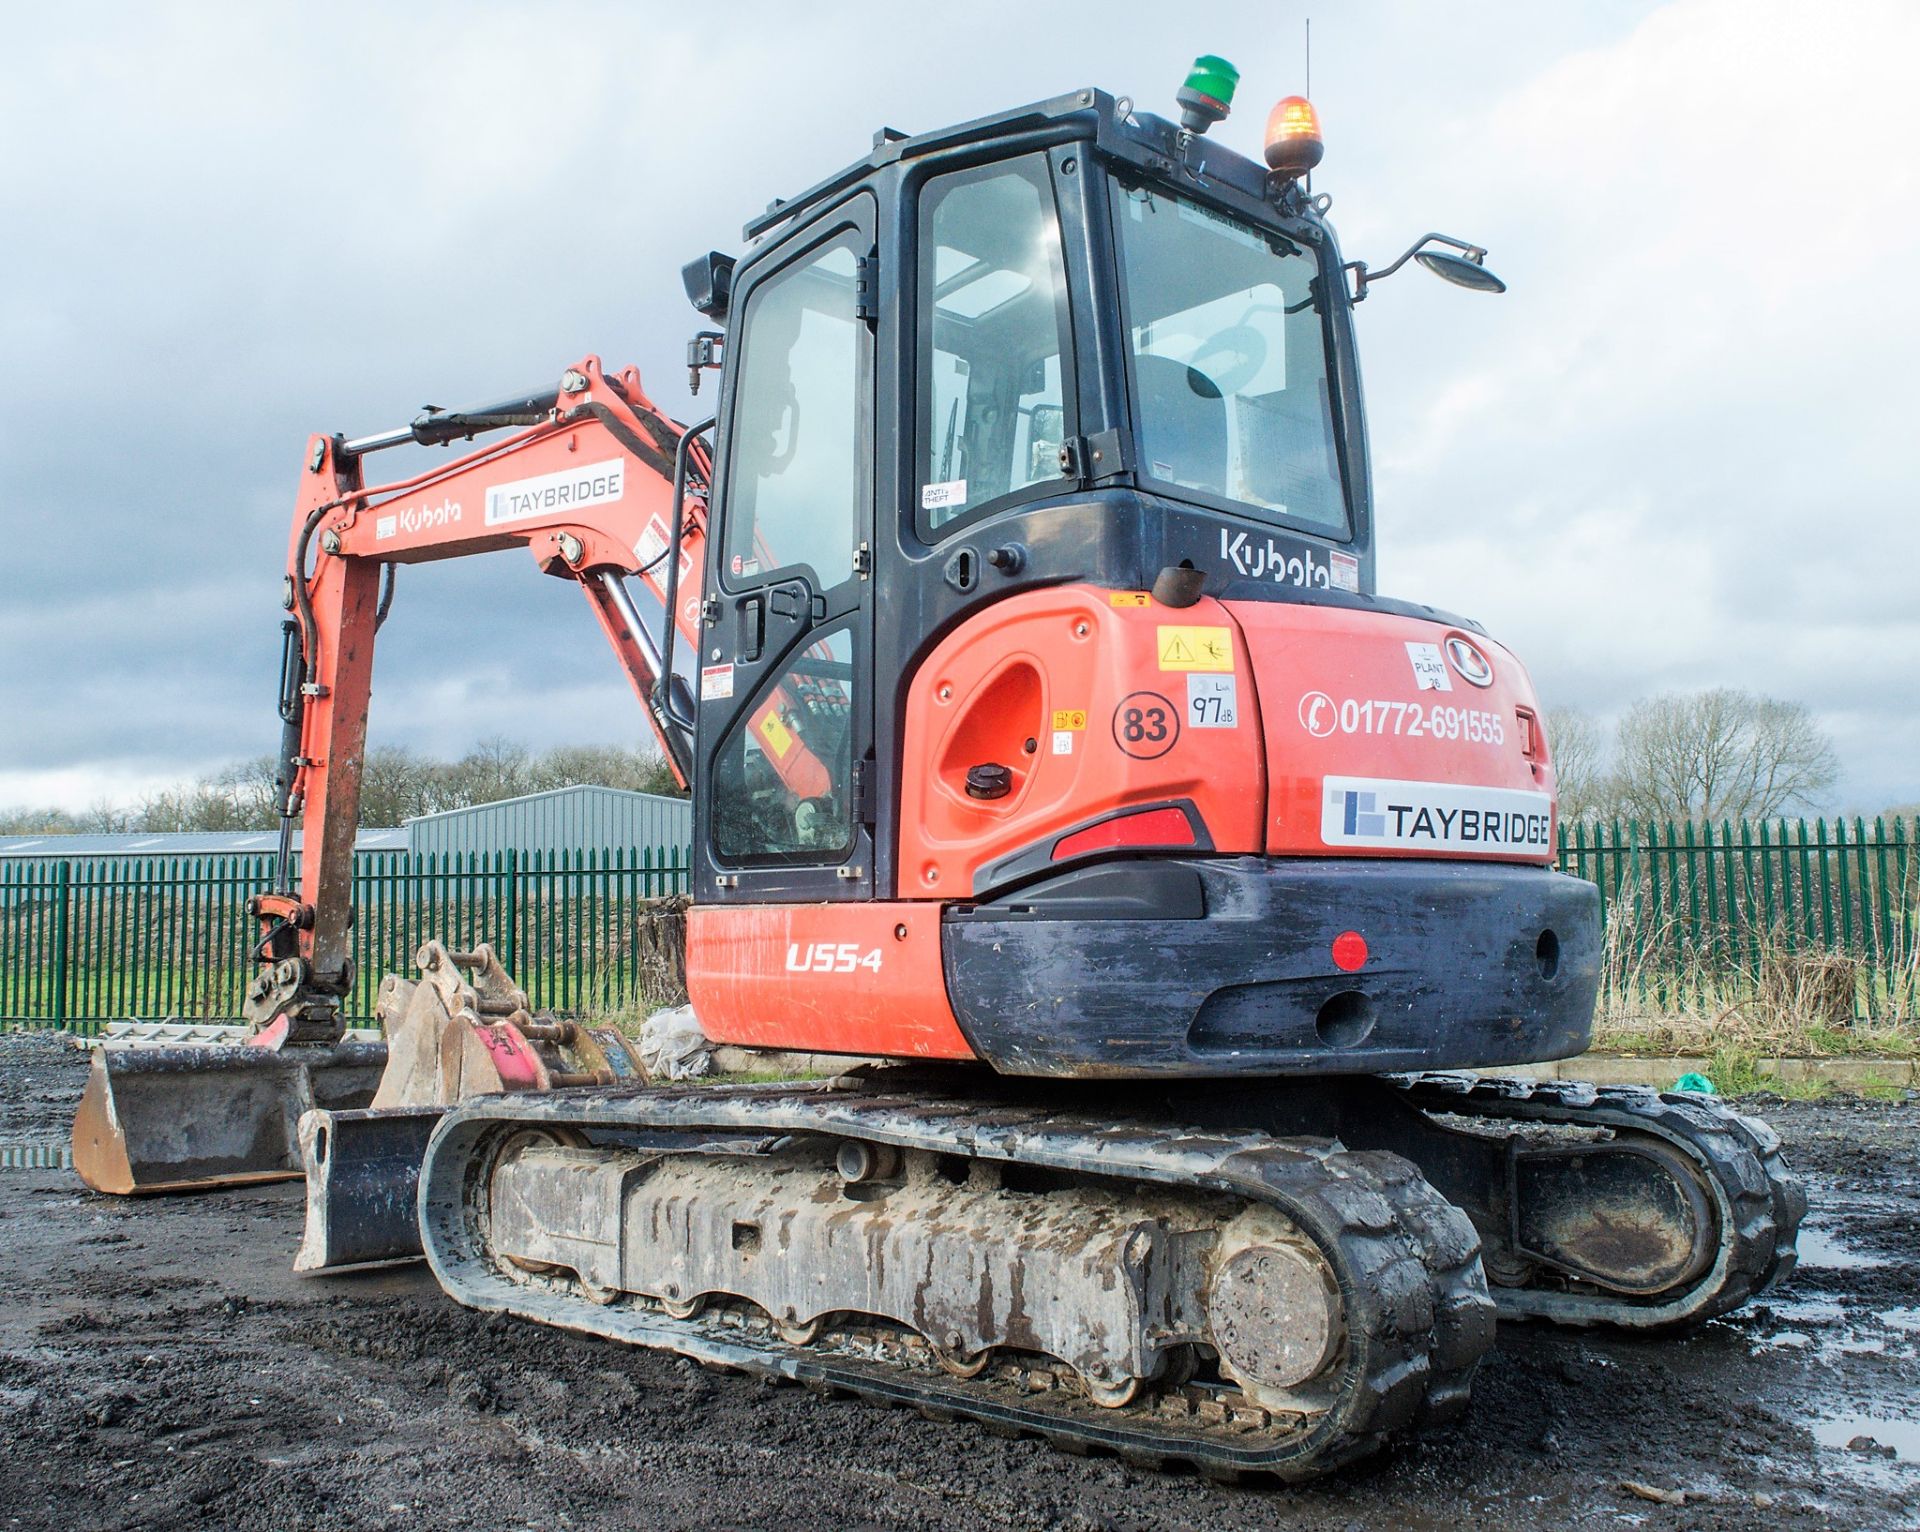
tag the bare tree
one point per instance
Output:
(1578, 745)
(1722, 754)
(395, 785)
(37, 822)
(637, 771)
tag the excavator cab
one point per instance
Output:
(1040, 619)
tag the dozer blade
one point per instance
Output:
(462, 1029)
(184, 1119)
(363, 1176)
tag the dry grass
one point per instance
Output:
(1658, 999)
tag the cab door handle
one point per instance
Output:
(752, 637)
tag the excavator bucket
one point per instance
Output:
(185, 1119)
(462, 1030)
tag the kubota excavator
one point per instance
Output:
(1018, 637)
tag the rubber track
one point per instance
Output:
(1419, 1317)
(1760, 1201)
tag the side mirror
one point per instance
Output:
(1467, 269)
(1460, 270)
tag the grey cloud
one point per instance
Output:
(231, 228)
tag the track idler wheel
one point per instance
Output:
(1274, 1312)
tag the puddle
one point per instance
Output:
(1822, 1248)
(1901, 1435)
(55, 1156)
(1806, 1311)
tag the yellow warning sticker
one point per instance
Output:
(1196, 649)
(1069, 718)
(774, 731)
(1130, 598)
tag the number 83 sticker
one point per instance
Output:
(1145, 725)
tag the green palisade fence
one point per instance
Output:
(1697, 916)
(1700, 916)
(86, 941)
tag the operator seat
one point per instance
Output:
(1183, 424)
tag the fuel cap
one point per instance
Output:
(989, 781)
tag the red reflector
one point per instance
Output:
(1152, 827)
(1349, 952)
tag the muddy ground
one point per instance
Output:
(160, 1366)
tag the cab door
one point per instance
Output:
(782, 796)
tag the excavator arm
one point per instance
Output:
(596, 483)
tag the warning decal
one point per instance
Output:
(1069, 718)
(1130, 598)
(1195, 649)
(774, 730)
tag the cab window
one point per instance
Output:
(793, 498)
(1232, 392)
(995, 357)
(783, 781)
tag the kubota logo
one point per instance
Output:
(416, 518)
(1269, 560)
(1318, 714)
(1469, 662)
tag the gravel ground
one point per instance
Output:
(160, 1366)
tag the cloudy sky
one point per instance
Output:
(1679, 453)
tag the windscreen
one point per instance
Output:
(1228, 333)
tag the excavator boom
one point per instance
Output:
(602, 489)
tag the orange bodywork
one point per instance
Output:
(1108, 702)
(1084, 694)
(824, 978)
(1340, 697)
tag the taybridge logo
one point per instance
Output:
(1266, 559)
(571, 489)
(1436, 816)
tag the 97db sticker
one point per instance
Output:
(1213, 702)
(1434, 816)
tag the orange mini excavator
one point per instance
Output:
(1014, 624)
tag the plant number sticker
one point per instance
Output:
(1429, 670)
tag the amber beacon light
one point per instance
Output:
(1294, 145)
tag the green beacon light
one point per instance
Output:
(1207, 96)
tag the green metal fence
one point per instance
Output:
(84, 941)
(1697, 915)
(1798, 911)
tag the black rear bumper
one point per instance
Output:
(1224, 965)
